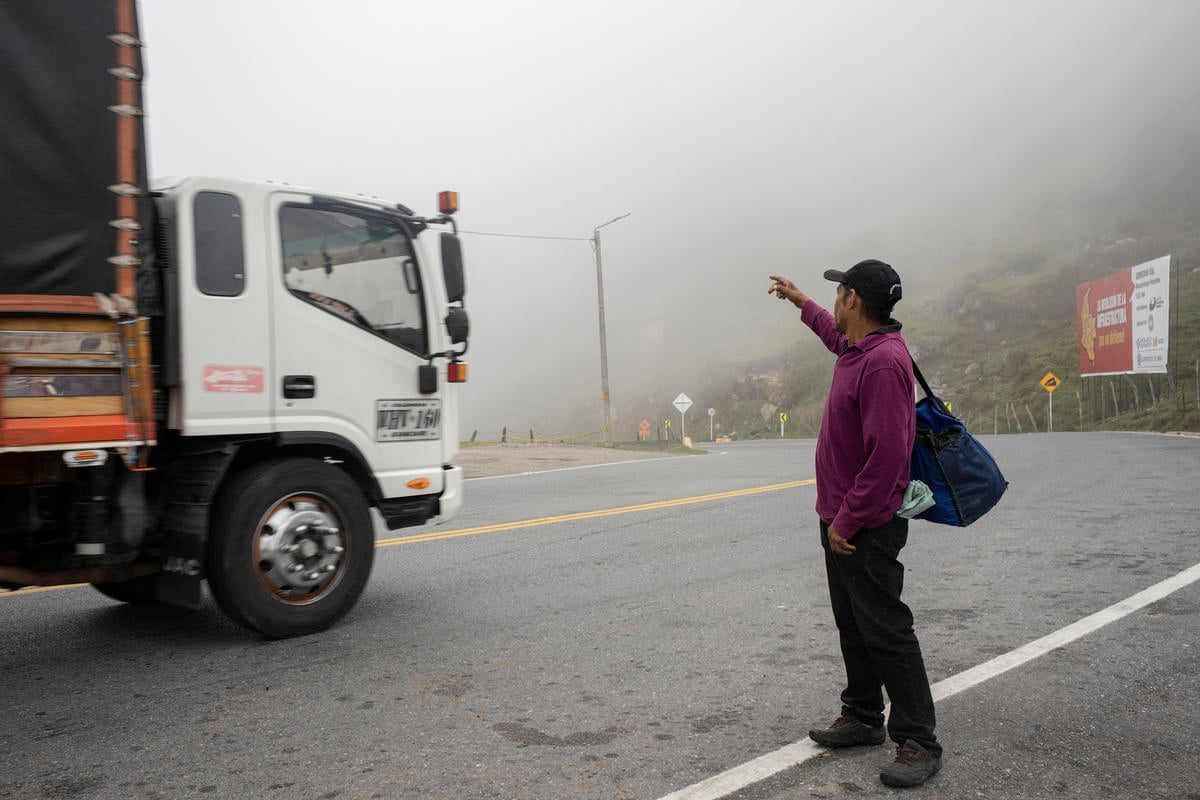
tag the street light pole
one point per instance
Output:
(603, 336)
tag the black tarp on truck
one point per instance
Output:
(72, 152)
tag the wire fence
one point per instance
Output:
(512, 434)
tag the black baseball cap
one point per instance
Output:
(876, 282)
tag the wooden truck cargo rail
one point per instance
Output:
(74, 380)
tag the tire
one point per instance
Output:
(141, 591)
(290, 547)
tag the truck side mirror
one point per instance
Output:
(457, 324)
(452, 268)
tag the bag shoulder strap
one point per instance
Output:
(933, 398)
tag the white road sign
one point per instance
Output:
(712, 412)
(683, 403)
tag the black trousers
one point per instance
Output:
(879, 647)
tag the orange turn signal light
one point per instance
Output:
(456, 372)
(85, 458)
(418, 483)
(447, 202)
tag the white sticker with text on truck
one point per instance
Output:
(406, 420)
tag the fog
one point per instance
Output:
(743, 139)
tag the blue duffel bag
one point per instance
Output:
(963, 476)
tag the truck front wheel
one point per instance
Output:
(290, 546)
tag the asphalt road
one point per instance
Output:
(629, 655)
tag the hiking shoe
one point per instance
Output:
(847, 732)
(913, 766)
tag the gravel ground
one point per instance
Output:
(512, 459)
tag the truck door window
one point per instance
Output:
(220, 263)
(361, 269)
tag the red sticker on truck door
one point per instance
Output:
(233, 379)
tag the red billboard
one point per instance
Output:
(1122, 320)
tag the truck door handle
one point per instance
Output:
(299, 386)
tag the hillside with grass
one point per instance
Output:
(985, 338)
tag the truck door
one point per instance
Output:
(224, 323)
(351, 322)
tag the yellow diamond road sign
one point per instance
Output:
(1050, 382)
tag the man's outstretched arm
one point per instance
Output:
(818, 319)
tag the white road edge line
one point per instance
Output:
(580, 466)
(763, 767)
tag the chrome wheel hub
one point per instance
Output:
(300, 549)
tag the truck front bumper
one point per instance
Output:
(452, 494)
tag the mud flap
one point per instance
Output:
(194, 480)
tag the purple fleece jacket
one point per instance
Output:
(867, 431)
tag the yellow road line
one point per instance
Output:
(606, 512)
(35, 589)
(524, 523)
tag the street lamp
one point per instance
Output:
(603, 337)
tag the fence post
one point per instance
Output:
(1137, 401)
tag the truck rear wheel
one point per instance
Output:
(290, 546)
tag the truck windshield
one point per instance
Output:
(359, 268)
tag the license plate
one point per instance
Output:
(407, 420)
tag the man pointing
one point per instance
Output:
(862, 469)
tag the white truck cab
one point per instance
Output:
(310, 350)
(308, 315)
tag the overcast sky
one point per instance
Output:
(743, 138)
